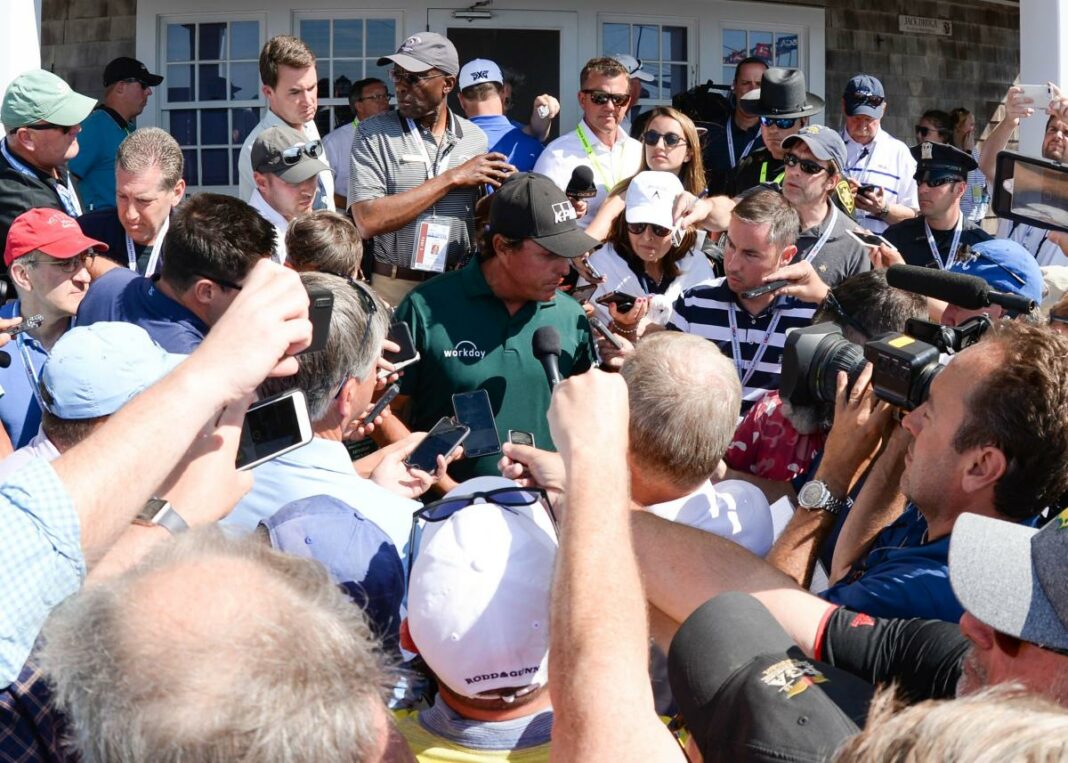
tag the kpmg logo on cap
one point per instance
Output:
(792, 677)
(563, 211)
(465, 349)
(409, 45)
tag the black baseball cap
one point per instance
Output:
(748, 693)
(530, 205)
(129, 68)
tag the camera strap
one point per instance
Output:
(952, 253)
(745, 372)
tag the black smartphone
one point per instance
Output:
(601, 329)
(387, 397)
(623, 302)
(867, 189)
(763, 289)
(441, 440)
(583, 293)
(407, 354)
(272, 427)
(320, 306)
(517, 437)
(474, 411)
(34, 321)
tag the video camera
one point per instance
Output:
(903, 364)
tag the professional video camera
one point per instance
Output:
(903, 364)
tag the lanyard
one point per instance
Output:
(764, 175)
(815, 248)
(433, 169)
(27, 364)
(942, 265)
(730, 143)
(608, 180)
(67, 197)
(153, 259)
(747, 373)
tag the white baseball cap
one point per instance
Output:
(479, 71)
(651, 196)
(478, 597)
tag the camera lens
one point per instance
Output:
(812, 358)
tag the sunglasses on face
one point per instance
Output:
(600, 97)
(671, 139)
(409, 79)
(49, 126)
(864, 98)
(923, 132)
(807, 166)
(927, 180)
(639, 228)
(782, 124)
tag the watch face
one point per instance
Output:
(811, 494)
(151, 509)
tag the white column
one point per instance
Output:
(1043, 57)
(20, 48)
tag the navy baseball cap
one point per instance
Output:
(864, 96)
(357, 553)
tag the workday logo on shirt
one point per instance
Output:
(465, 349)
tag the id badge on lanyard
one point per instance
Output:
(430, 251)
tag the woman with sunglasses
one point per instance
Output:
(670, 144)
(647, 257)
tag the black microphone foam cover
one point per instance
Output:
(546, 341)
(581, 185)
(968, 292)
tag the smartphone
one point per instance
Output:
(320, 306)
(583, 293)
(272, 427)
(867, 189)
(601, 329)
(594, 273)
(623, 302)
(34, 321)
(516, 437)
(441, 440)
(866, 238)
(387, 397)
(1040, 94)
(1031, 190)
(407, 354)
(474, 411)
(763, 289)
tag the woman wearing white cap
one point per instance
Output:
(647, 257)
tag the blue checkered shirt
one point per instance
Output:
(42, 561)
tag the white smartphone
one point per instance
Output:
(272, 427)
(1040, 94)
(867, 238)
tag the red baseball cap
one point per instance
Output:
(50, 231)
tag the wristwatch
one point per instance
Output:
(884, 212)
(815, 495)
(159, 512)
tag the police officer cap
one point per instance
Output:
(942, 160)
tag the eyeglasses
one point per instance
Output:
(639, 228)
(68, 266)
(600, 97)
(866, 98)
(924, 178)
(671, 139)
(49, 126)
(409, 79)
(220, 281)
(375, 97)
(782, 124)
(966, 256)
(312, 149)
(807, 166)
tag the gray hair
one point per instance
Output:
(321, 373)
(994, 725)
(685, 398)
(152, 147)
(216, 649)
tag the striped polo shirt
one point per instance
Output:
(705, 311)
(887, 163)
(391, 155)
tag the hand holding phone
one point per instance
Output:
(442, 440)
(34, 321)
(474, 411)
(1041, 95)
(624, 302)
(867, 190)
(866, 238)
(387, 397)
(272, 427)
(583, 293)
(766, 288)
(401, 335)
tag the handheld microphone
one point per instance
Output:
(546, 345)
(968, 292)
(581, 185)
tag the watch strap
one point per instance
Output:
(161, 513)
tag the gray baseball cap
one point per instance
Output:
(423, 51)
(1012, 577)
(284, 152)
(825, 144)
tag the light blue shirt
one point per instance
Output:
(19, 411)
(322, 467)
(42, 559)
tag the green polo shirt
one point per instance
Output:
(468, 341)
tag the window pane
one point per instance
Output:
(245, 39)
(646, 42)
(734, 46)
(381, 37)
(728, 75)
(786, 50)
(760, 45)
(180, 42)
(184, 126)
(190, 172)
(212, 84)
(345, 73)
(343, 115)
(214, 130)
(216, 166)
(179, 83)
(348, 38)
(615, 38)
(673, 40)
(317, 35)
(244, 82)
(243, 122)
(676, 79)
(651, 90)
(323, 83)
(212, 42)
(382, 73)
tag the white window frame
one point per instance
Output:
(750, 26)
(692, 45)
(166, 106)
